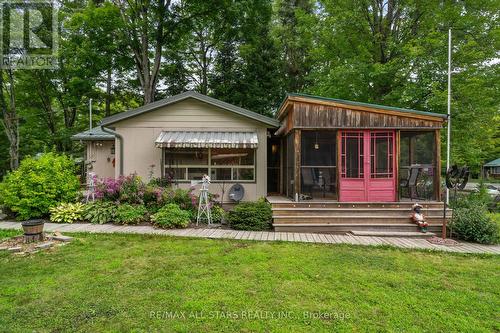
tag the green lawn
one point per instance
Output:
(131, 283)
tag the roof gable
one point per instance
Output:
(493, 163)
(190, 94)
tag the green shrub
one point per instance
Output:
(128, 214)
(171, 216)
(185, 199)
(100, 212)
(67, 212)
(251, 216)
(38, 184)
(153, 198)
(218, 214)
(474, 224)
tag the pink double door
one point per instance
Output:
(367, 170)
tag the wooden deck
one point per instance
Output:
(345, 217)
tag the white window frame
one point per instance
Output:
(209, 167)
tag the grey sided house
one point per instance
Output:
(324, 164)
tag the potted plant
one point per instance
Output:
(33, 228)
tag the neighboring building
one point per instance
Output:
(492, 169)
(319, 151)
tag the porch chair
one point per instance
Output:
(307, 181)
(410, 183)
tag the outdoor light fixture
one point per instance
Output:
(316, 144)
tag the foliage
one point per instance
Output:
(250, 216)
(126, 189)
(67, 212)
(153, 197)
(100, 212)
(131, 214)
(249, 52)
(474, 224)
(171, 216)
(185, 199)
(218, 214)
(471, 220)
(40, 183)
(480, 198)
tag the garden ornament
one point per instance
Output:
(419, 218)
(204, 204)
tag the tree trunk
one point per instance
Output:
(108, 94)
(10, 121)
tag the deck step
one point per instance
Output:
(343, 228)
(407, 234)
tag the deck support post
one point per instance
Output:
(297, 159)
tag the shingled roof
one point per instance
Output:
(271, 122)
(95, 134)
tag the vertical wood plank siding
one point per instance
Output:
(306, 115)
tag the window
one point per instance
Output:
(352, 155)
(220, 164)
(381, 154)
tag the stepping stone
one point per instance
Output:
(4, 248)
(62, 238)
(15, 249)
(45, 245)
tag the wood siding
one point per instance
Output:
(308, 115)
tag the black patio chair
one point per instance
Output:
(410, 183)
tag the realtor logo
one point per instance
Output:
(29, 34)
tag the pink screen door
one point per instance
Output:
(367, 166)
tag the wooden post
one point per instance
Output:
(396, 163)
(282, 171)
(297, 146)
(339, 161)
(437, 173)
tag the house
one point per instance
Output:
(187, 136)
(492, 169)
(324, 164)
(99, 151)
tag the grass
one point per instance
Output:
(108, 283)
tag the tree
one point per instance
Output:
(10, 119)
(294, 29)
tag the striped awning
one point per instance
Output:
(195, 139)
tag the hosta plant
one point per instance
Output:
(171, 216)
(67, 212)
(131, 214)
(100, 212)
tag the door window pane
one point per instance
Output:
(352, 155)
(381, 154)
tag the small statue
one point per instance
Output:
(419, 218)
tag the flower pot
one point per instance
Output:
(33, 230)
